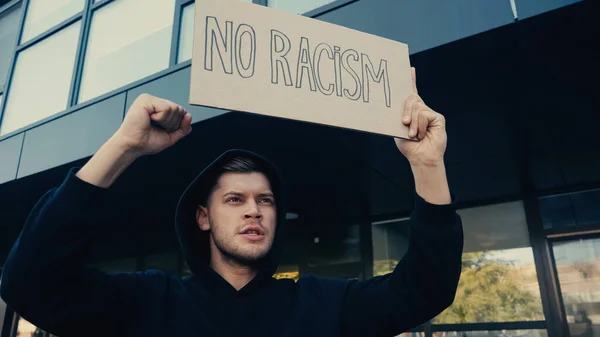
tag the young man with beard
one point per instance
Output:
(228, 223)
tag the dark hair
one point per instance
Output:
(241, 165)
(235, 165)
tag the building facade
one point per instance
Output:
(516, 80)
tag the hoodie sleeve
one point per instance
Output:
(422, 285)
(44, 279)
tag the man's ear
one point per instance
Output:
(202, 218)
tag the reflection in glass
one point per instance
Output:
(186, 36)
(578, 267)
(43, 71)
(43, 15)
(129, 40)
(493, 333)
(496, 286)
(412, 334)
(26, 329)
(498, 282)
(287, 272)
(296, 6)
(9, 24)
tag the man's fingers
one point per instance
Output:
(177, 115)
(413, 73)
(166, 114)
(424, 119)
(183, 130)
(409, 105)
(407, 113)
(414, 124)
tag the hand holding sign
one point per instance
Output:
(426, 126)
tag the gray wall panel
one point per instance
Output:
(423, 24)
(10, 149)
(71, 137)
(529, 8)
(176, 88)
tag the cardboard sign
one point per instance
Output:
(256, 59)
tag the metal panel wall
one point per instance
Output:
(176, 88)
(10, 150)
(529, 8)
(70, 137)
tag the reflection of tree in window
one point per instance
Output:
(493, 290)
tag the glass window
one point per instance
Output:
(26, 329)
(129, 40)
(9, 24)
(571, 210)
(493, 333)
(578, 267)
(43, 71)
(43, 15)
(166, 262)
(498, 281)
(390, 242)
(186, 36)
(2, 309)
(296, 6)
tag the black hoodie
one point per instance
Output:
(45, 281)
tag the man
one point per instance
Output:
(228, 223)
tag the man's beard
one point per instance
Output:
(233, 255)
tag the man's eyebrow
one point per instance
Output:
(234, 193)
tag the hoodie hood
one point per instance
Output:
(194, 242)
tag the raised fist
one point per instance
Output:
(153, 124)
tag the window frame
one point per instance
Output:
(86, 17)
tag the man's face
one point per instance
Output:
(241, 217)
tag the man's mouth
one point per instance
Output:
(253, 233)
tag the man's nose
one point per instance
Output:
(253, 212)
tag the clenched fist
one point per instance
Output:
(427, 127)
(153, 124)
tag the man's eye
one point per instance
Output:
(267, 201)
(233, 199)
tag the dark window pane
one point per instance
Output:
(569, 210)
(123, 265)
(167, 262)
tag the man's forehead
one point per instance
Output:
(241, 181)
